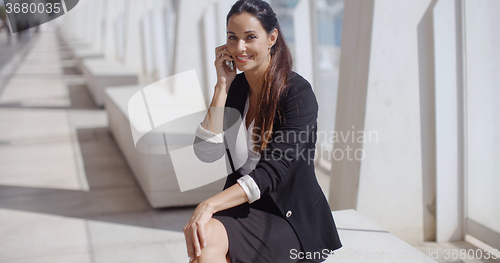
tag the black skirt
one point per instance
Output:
(258, 233)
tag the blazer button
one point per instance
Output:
(288, 214)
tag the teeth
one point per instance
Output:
(241, 58)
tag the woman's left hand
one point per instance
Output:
(194, 231)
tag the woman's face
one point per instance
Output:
(248, 43)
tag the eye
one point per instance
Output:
(231, 37)
(252, 36)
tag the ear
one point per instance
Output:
(273, 37)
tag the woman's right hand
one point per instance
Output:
(224, 75)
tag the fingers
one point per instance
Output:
(201, 235)
(222, 58)
(219, 48)
(193, 242)
(221, 51)
(196, 242)
(189, 242)
(222, 55)
(194, 231)
(220, 62)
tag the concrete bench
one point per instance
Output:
(103, 73)
(155, 172)
(82, 53)
(71, 41)
(365, 241)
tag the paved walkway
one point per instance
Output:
(66, 192)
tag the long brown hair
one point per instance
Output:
(275, 79)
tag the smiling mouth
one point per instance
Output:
(243, 59)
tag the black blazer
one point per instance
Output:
(285, 173)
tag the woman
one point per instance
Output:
(272, 208)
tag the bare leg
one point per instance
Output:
(217, 244)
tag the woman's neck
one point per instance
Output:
(254, 78)
(254, 83)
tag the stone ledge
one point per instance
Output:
(154, 172)
(104, 73)
(365, 241)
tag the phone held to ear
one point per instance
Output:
(230, 65)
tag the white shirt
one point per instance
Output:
(243, 154)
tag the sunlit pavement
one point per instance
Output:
(66, 192)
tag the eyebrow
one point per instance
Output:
(249, 31)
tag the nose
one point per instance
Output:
(241, 46)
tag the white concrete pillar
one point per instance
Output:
(351, 103)
(303, 44)
(160, 41)
(483, 119)
(74, 25)
(189, 39)
(110, 40)
(390, 188)
(378, 120)
(134, 11)
(87, 21)
(170, 28)
(449, 183)
(210, 42)
(426, 64)
(97, 10)
(222, 7)
(147, 45)
(120, 24)
(214, 35)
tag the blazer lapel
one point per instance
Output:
(233, 113)
(240, 95)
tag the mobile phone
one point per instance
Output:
(230, 65)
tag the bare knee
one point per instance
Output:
(215, 229)
(217, 243)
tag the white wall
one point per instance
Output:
(449, 182)
(406, 96)
(483, 113)
(188, 41)
(411, 180)
(391, 174)
(303, 40)
(195, 47)
(133, 46)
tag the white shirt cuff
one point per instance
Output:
(250, 188)
(208, 136)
